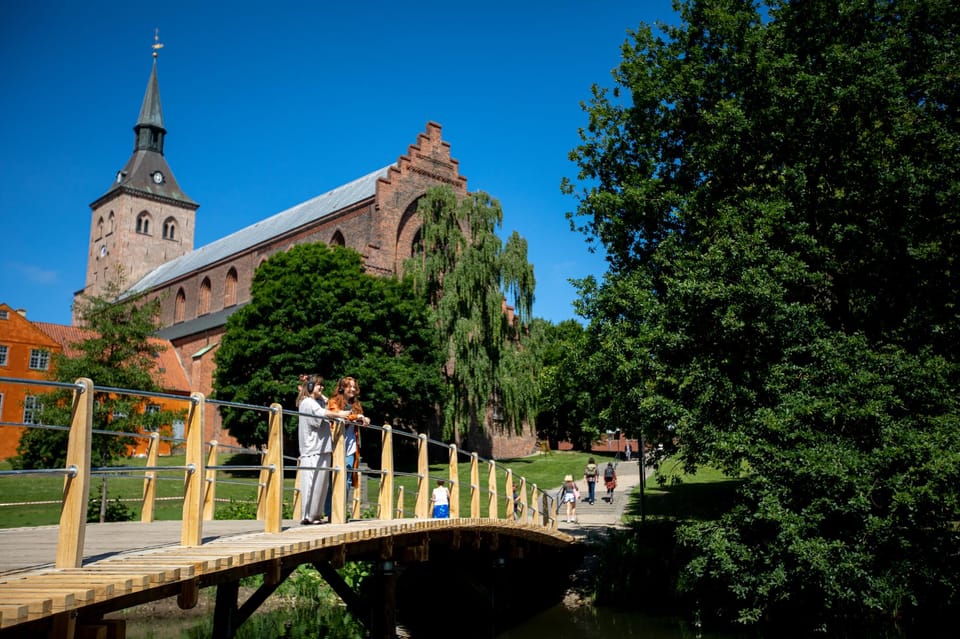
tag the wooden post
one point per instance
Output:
(298, 513)
(523, 499)
(262, 483)
(73, 516)
(210, 483)
(400, 502)
(492, 489)
(273, 492)
(508, 490)
(338, 478)
(385, 498)
(534, 493)
(191, 531)
(474, 486)
(149, 500)
(454, 476)
(422, 508)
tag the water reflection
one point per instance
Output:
(598, 623)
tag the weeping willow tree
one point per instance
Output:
(468, 275)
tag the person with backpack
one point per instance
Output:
(610, 479)
(568, 496)
(590, 475)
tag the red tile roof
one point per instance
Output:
(172, 376)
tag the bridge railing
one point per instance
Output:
(200, 475)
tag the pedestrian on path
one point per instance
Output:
(590, 475)
(610, 479)
(568, 496)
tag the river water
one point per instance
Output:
(587, 622)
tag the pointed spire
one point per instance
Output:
(149, 127)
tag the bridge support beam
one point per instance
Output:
(228, 616)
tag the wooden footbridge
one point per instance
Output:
(62, 581)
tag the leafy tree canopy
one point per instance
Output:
(313, 309)
(776, 184)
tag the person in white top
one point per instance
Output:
(441, 501)
(316, 447)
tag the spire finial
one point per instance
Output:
(157, 45)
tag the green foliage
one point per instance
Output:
(775, 187)
(115, 510)
(465, 273)
(313, 309)
(115, 352)
(565, 407)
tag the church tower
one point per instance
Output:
(144, 219)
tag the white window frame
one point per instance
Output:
(31, 405)
(4, 354)
(39, 359)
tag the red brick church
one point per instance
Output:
(144, 226)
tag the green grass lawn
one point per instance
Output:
(28, 492)
(700, 496)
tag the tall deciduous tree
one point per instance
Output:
(776, 186)
(466, 273)
(116, 353)
(313, 309)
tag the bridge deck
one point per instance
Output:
(130, 563)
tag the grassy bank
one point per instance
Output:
(27, 500)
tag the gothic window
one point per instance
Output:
(143, 223)
(204, 305)
(230, 288)
(110, 222)
(170, 229)
(179, 308)
(416, 247)
(337, 239)
(99, 228)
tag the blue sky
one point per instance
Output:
(269, 104)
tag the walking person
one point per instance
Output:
(441, 501)
(316, 448)
(568, 497)
(610, 480)
(346, 400)
(590, 475)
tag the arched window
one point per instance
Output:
(337, 239)
(170, 229)
(100, 228)
(203, 306)
(110, 222)
(230, 288)
(179, 308)
(416, 246)
(143, 223)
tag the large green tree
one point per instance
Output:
(776, 186)
(466, 273)
(314, 309)
(116, 352)
(567, 390)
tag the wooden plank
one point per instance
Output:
(35, 605)
(101, 588)
(13, 613)
(152, 574)
(66, 596)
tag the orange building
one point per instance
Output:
(26, 352)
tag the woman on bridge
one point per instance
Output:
(316, 447)
(346, 400)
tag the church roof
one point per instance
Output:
(265, 230)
